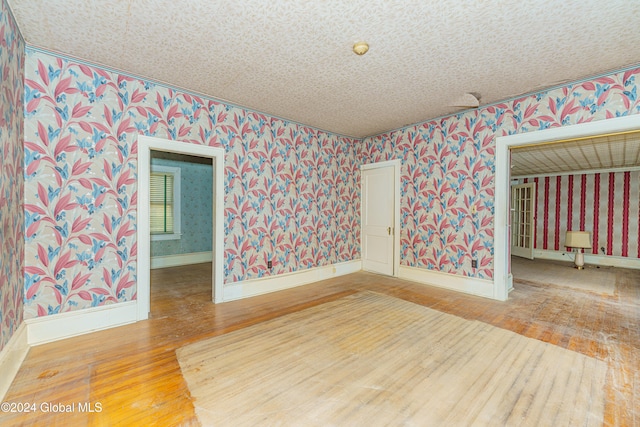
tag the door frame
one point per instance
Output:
(396, 206)
(145, 145)
(502, 251)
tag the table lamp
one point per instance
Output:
(578, 240)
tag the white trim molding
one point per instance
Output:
(11, 358)
(264, 285)
(41, 330)
(503, 180)
(581, 172)
(602, 260)
(55, 327)
(145, 145)
(466, 284)
(180, 259)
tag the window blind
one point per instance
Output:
(161, 203)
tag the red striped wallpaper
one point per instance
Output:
(606, 204)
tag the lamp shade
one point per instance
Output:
(578, 239)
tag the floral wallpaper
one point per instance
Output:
(448, 167)
(291, 192)
(291, 196)
(196, 199)
(11, 176)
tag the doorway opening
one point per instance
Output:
(216, 157)
(181, 209)
(503, 278)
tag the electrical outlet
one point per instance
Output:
(269, 264)
(474, 263)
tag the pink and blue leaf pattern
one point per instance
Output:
(12, 218)
(292, 193)
(448, 167)
(81, 131)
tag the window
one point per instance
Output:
(164, 206)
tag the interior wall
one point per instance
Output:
(196, 201)
(605, 204)
(291, 192)
(448, 167)
(11, 176)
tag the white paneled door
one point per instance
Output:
(522, 220)
(378, 198)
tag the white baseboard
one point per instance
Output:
(603, 260)
(469, 285)
(180, 259)
(11, 357)
(66, 325)
(253, 287)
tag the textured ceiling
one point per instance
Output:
(293, 59)
(618, 151)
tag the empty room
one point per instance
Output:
(319, 213)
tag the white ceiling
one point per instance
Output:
(607, 152)
(293, 59)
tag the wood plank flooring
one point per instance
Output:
(372, 360)
(132, 371)
(593, 278)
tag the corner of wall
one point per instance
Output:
(11, 358)
(11, 178)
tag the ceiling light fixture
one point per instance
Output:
(360, 48)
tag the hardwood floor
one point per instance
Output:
(370, 359)
(132, 375)
(592, 278)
